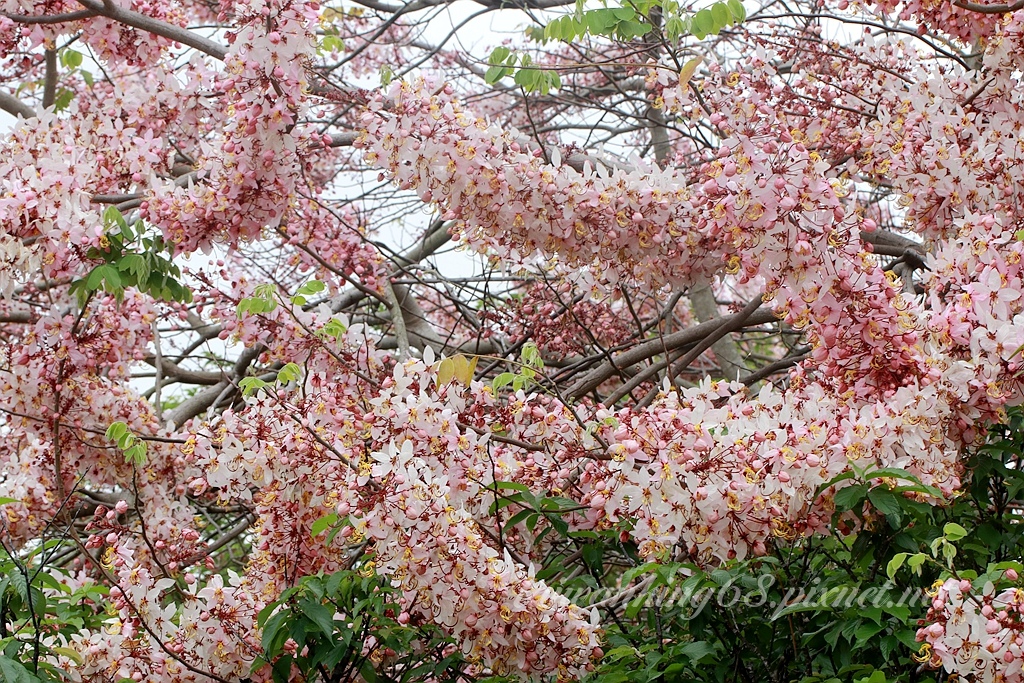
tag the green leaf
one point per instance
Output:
(20, 585)
(502, 380)
(499, 55)
(136, 454)
(333, 328)
(886, 502)
(331, 43)
(698, 650)
(868, 630)
(112, 217)
(721, 15)
(526, 514)
(703, 23)
(71, 58)
(895, 563)
(593, 555)
(915, 561)
(526, 79)
(509, 486)
(739, 12)
(892, 473)
(628, 30)
(674, 28)
(311, 287)
(94, 279)
(271, 632)
(291, 372)
(321, 525)
(954, 532)
(495, 74)
(111, 276)
(248, 385)
(12, 671)
(134, 264)
(73, 655)
(116, 431)
(846, 498)
(319, 615)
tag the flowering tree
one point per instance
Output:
(750, 277)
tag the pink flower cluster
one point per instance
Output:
(549, 315)
(49, 168)
(411, 482)
(247, 172)
(897, 378)
(978, 634)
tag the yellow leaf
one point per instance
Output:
(445, 372)
(73, 655)
(686, 73)
(465, 368)
(461, 368)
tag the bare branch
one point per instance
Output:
(726, 351)
(398, 318)
(607, 370)
(988, 9)
(50, 18)
(50, 80)
(170, 369)
(722, 328)
(15, 107)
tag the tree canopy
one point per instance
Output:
(436, 341)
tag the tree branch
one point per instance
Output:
(50, 80)
(726, 350)
(723, 327)
(15, 107)
(157, 27)
(609, 369)
(988, 9)
(50, 18)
